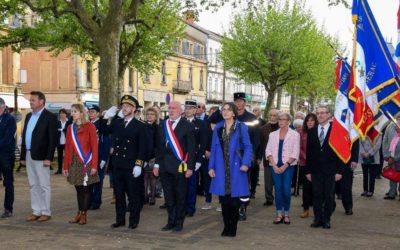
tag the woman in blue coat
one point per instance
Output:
(230, 159)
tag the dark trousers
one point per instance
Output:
(268, 183)
(191, 194)
(125, 183)
(307, 190)
(346, 188)
(174, 186)
(60, 157)
(7, 168)
(206, 179)
(254, 174)
(370, 172)
(230, 213)
(98, 190)
(323, 186)
(149, 187)
(83, 194)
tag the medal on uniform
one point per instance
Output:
(173, 142)
(79, 151)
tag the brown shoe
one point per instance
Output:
(305, 214)
(44, 218)
(32, 217)
(76, 218)
(83, 218)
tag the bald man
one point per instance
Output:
(175, 135)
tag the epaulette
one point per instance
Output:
(252, 123)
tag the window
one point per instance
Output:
(185, 47)
(197, 51)
(146, 78)
(130, 80)
(217, 61)
(163, 74)
(210, 56)
(201, 79)
(177, 46)
(88, 73)
(191, 76)
(178, 73)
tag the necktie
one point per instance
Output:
(125, 123)
(321, 136)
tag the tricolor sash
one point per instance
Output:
(176, 148)
(78, 150)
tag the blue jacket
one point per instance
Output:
(239, 179)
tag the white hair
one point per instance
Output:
(298, 123)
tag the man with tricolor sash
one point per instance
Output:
(175, 163)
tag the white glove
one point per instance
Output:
(120, 114)
(102, 164)
(136, 171)
(110, 112)
(197, 166)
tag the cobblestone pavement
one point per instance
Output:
(375, 224)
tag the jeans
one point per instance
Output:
(6, 168)
(282, 183)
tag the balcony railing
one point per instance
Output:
(182, 86)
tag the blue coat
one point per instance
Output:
(239, 179)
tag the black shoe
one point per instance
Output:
(6, 214)
(189, 215)
(58, 172)
(252, 196)
(369, 194)
(339, 196)
(389, 197)
(268, 203)
(158, 195)
(167, 227)
(133, 226)
(118, 224)
(349, 211)
(178, 228)
(164, 206)
(364, 193)
(152, 203)
(316, 224)
(378, 177)
(242, 213)
(94, 207)
(327, 225)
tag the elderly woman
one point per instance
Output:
(230, 159)
(369, 157)
(391, 152)
(81, 158)
(282, 152)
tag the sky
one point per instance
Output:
(335, 19)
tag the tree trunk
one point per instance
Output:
(279, 99)
(293, 105)
(270, 101)
(311, 102)
(108, 77)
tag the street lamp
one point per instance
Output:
(22, 80)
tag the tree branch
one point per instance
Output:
(89, 25)
(54, 8)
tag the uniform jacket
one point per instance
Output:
(239, 179)
(165, 157)
(44, 137)
(87, 138)
(254, 130)
(127, 143)
(321, 159)
(7, 134)
(201, 135)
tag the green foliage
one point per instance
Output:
(279, 45)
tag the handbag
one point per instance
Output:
(390, 172)
(369, 160)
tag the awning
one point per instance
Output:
(8, 98)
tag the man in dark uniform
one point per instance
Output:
(200, 144)
(175, 162)
(251, 121)
(104, 148)
(128, 134)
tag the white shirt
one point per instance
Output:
(326, 128)
(175, 122)
(128, 121)
(62, 136)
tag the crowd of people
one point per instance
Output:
(186, 153)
